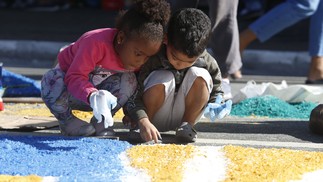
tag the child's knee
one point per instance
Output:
(53, 86)
(199, 81)
(128, 83)
(199, 77)
(52, 77)
(160, 77)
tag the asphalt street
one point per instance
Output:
(30, 40)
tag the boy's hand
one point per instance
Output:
(218, 110)
(148, 131)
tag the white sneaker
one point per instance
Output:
(226, 87)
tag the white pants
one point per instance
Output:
(170, 115)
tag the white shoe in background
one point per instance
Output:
(226, 87)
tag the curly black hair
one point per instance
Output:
(145, 19)
(189, 31)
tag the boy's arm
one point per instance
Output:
(134, 107)
(214, 70)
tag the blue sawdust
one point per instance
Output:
(272, 107)
(69, 158)
(17, 85)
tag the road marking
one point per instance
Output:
(261, 143)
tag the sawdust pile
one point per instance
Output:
(161, 162)
(280, 165)
(40, 109)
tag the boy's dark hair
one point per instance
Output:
(189, 31)
(145, 19)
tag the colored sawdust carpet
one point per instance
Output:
(58, 158)
(39, 158)
(262, 106)
(25, 116)
(272, 107)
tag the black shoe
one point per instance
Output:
(100, 130)
(186, 133)
(76, 127)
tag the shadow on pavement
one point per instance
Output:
(297, 129)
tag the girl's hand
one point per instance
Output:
(148, 131)
(102, 102)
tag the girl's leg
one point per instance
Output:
(122, 86)
(56, 98)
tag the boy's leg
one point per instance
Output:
(56, 98)
(153, 99)
(195, 101)
(195, 91)
(174, 109)
(159, 97)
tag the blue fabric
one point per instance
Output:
(0, 76)
(69, 158)
(17, 85)
(316, 35)
(289, 13)
(218, 110)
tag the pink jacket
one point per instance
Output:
(92, 50)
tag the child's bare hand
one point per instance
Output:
(148, 131)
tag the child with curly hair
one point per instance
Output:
(179, 83)
(97, 72)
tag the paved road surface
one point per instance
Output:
(29, 42)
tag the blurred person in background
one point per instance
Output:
(285, 15)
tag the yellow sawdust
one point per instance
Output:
(279, 165)
(88, 115)
(37, 109)
(30, 178)
(40, 109)
(119, 115)
(161, 162)
(83, 115)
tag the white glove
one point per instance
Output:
(217, 110)
(102, 102)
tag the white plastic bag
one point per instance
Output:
(290, 94)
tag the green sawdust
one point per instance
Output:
(272, 107)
